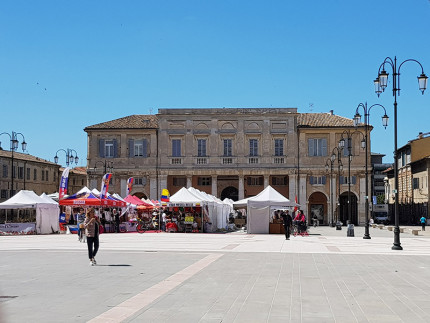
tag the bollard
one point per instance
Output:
(350, 229)
(338, 225)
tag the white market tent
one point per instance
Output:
(46, 212)
(184, 197)
(260, 206)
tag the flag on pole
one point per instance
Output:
(296, 207)
(129, 185)
(165, 195)
(64, 183)
(105, 185)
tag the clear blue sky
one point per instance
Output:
(65, 65)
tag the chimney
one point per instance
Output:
(331, 112)
(420, 135)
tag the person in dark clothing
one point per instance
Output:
(286, 218)
(115, 216)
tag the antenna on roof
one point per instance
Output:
(311, 107)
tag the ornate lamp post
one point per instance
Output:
(14, 142)
(71, 156)
(329, 164)
(357, 121)
(349, 135)
(381, 83)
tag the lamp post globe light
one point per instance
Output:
(71, 156)
(14, 142)
(357, 121)
(349, 135)
(381, 83)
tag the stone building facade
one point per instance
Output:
(29, 173)
(235, 153)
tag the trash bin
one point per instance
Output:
(338, 225)
(350, 230)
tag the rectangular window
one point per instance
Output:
(14, 171)
(43, 175)
(317, 180)
(35, 175)
(253, 147)
(416, 183)
(317, 147)
(279, 147)
(204, 181)
(344, 180)
(138, 148)
(348, 144)
(5, 171)
(228, 148)
(176, 148)
(109, 151)
(254, 180)
(179, 181)
(46, 175)
(4, 194)
(279, 180)
(83, 181)
(55, 177)
(139, 181)
(28, 174)
(201, 147)
(20, 172)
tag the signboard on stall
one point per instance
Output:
(17, 228)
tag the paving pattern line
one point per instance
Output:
(134, 304)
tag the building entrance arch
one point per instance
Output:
(318, 208)
(230, 192)
(140, 195)
(343, 208)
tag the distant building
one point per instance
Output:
(378, 175)
(234, 153)
(28, 172)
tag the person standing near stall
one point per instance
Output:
(115, 216)
(286, 218)
(80, 218)
(92, 229)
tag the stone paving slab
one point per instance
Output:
(326, 277)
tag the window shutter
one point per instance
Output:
(115, 148)
(261, 181)
(353, 180)
(101, 148)
(323, 180)
(311, 147)
(145, 148)
(324, 147)
(131, 148)
(311, 180)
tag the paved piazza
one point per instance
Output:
(235, 277)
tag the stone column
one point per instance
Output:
(189, 181)
(162, 179)
(266, 181)
(292, 187)
(241, 188)
(214, 185)
(153, 188)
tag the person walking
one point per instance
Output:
(423, 221)
(286, 218)
(92, 228)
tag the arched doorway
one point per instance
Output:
(140, 195)
(230, 192)
(343, 208)
(318, 207)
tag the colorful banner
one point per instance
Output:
(64, 182)
(105, 185)
(129, 185)
(165, 195)
(296, 207)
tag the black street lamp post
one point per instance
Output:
(71, 156)
(357, 121)
(329, 164)
(14, 142)
(349, 135)
(381, 83)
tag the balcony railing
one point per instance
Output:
(279, 160)
(202, 160)
(228, 160)
(252, 160)
(176, 160)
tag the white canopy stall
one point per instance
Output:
(259, 208)
(47, 211)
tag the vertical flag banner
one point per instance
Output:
(105, 185)
(129, 185)
(165, 195)
(296, 207)
(64, 183)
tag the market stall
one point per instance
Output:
(42, 218)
